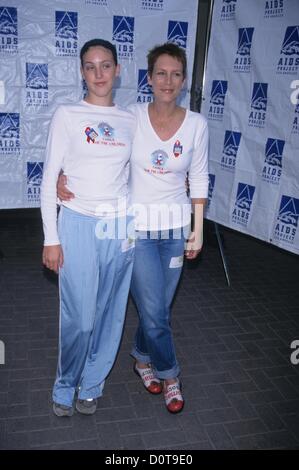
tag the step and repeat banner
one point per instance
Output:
(40, 42)
(250, 99)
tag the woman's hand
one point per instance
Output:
(62, 192)
(195, 241)
(194, 246)
(53, 257)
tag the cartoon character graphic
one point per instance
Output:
(106, 130)
(159, 158)
(91, 134)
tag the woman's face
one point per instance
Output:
(99, 71)
(167, 78)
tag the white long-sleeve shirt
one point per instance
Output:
(92, 145)
(158, 171)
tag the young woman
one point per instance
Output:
(91, 142)
(170, 141)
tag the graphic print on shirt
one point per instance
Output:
(177, 149)
(104, 136)
(91, 134)
(159, 158)
(106, 131)
(159, 161)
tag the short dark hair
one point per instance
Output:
(168, 48)
(98, 42)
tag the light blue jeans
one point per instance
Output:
(156, 273)
(94, 284)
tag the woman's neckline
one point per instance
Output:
(175, 132)
(112, 106)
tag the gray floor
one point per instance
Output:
(233, 344)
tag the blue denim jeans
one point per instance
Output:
(156, 272)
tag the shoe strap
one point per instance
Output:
(173, 391)
(147, 376)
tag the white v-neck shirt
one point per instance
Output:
(158, 169)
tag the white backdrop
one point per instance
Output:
(248, 99)
(40, 41)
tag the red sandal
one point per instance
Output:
(150, 382)
(173, 397)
